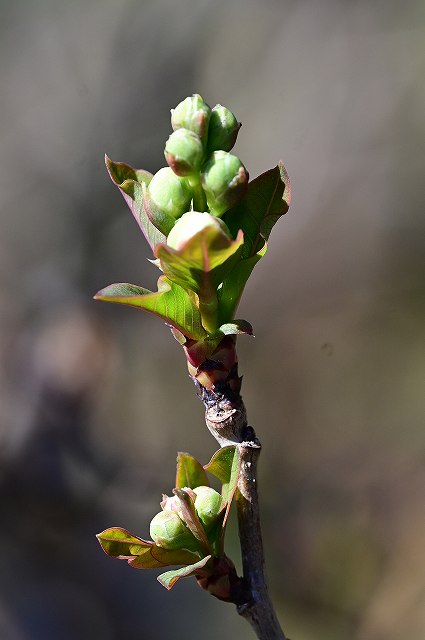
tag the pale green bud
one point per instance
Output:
(223, 129)
(168, 531)
(208, 505)
(192, 223)
(192, 113)
(224, 180)
(170, 193)
(184, 152)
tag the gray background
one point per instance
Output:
(95, 400)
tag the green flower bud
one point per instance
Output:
(223, 129)
(184, 152)
(168, 531)
(207, 505)
(192, 223)
(169, 192)
(192, 113)
(224, 180)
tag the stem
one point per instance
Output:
(208, 308)
(258, 611)
(199, 199)
(225, 417)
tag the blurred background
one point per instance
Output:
(95, 400)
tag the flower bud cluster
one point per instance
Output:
(168, 528)
(200, 167)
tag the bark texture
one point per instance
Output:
(225, 417)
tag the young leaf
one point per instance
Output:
(159, 218)
(235, 328)
(231, 291)
(191, 517)
(200, 265)
(266, 200)
(120, 172)
(212, 341)
(159, 557)
(141, 554)
(190, 472)
(216, 534)
(130, 182)
(221, 463)
(169, 578)
(225, 465)
(120, 543)
(171, 303)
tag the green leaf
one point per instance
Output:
(120, 172)
(225, 465)
(141, 554)
(190, 517)
(190, 472)
(120, 543)
(235, 328)
(171, 303)
(217, 533)
(231, 291)
(131, 182)
(169, 578)
(266, 200)
(159, 218)
(202, 263)
(211, 342)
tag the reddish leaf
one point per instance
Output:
(159, 557)
(130, 182)
(141, 554)
(120, 543)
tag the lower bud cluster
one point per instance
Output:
(169, 530)
(188, 532)
(200, 167)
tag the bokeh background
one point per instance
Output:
(95, 400)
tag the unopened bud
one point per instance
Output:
(208, 505)
(192, 113)
(168, 531)
(192, 223)
(224, 180)
(184, 152)
(170, 193)
(223, 129)
(172, 503)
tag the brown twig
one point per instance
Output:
(225, 417)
